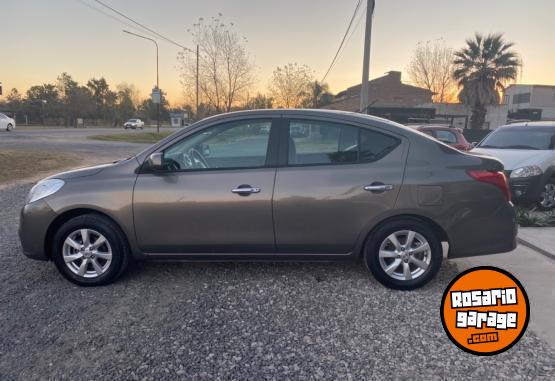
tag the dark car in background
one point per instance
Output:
(276, 185)
(446, 134)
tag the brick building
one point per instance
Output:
(386, 91)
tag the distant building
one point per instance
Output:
(383, 92)
(178, 118)
(534, 102)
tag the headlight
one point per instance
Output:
(44, 188)
(528, 171)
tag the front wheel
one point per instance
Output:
(403, 254)
(547, 196)
(90, 250)
(9, 127)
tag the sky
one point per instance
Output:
(42, 38)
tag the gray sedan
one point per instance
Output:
(276, 185)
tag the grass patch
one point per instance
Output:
(140, 137)
(535, 218)
(20, 164)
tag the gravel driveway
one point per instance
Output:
(231, 321)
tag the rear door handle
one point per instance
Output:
(245, 190)
(378, 187)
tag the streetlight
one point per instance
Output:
(157, 78)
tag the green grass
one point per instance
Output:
(141, 137)
(534, 218)
(17, 164)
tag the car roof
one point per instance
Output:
(434, 127)
(545, 123)
(300, 112)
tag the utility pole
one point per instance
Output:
(157, 77)
(366, 61)
(196, 109)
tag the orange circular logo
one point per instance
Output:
(485, 310)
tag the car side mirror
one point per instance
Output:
(156, 160)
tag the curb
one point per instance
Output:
(536, 248)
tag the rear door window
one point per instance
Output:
(446, 136)
(320, 143)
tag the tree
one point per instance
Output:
(482, 69)
(149, 110)
(290, 85)
(125, 106)
(104, 98)
(318, 95)
(260, 101)
(431, 67)
(43, 101)
(225, 66)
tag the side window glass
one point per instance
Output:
(315, 142)
(242, 144)
(375, 145)
(446, 136)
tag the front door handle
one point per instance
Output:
(245, 190)
(378, 187)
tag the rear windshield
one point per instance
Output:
(521, 138)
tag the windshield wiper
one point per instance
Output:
(488, 146)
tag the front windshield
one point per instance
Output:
(521, 138)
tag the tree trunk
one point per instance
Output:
(478, 117)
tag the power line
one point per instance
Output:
(143, 26)
(90, 6)
(343, 40)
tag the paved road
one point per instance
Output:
(231, 321)
(536, 272)
(73, 140)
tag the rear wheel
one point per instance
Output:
(90, 250)
(404, 254)
(547, 196)
(9, 127)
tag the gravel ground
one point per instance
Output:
(231, 321)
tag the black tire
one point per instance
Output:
(115, 238)
(374, 241)
(9, 127)
(543, 206)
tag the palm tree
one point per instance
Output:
(318, 95)
(482, 69)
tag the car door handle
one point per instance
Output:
(378, 187)
(245, 190)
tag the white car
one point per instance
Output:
(527, 151)
(134, 124)
(6, 123)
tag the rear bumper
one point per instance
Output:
(34, 221)
(496, 233)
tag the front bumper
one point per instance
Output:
(526, 190)
(35, 218)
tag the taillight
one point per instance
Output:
(492, 177)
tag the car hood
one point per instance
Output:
(516, 158)
(81, 172)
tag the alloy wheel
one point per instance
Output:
(547, 197)
(87, 253)
(405, 255)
